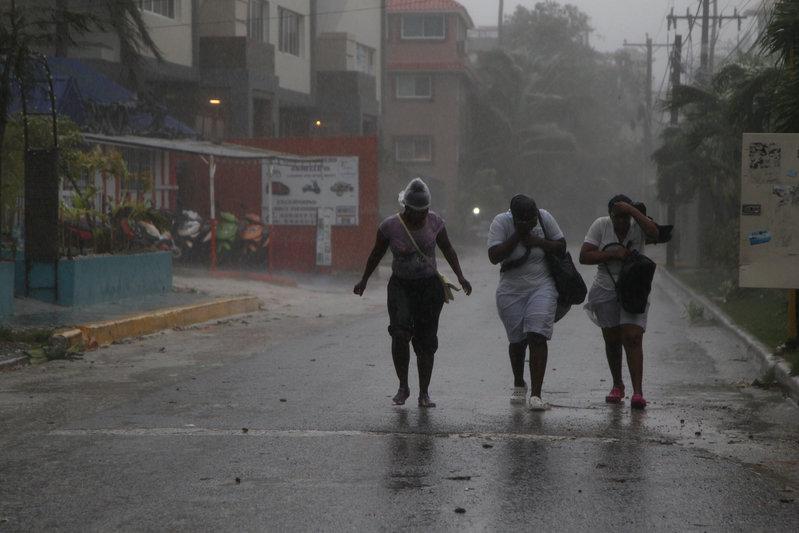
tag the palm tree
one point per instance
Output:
(703, 153)
(780, 42)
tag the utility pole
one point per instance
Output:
(676, 69)
(704, 55)
(706, 61)
(500, 20)
(649, 46)
(714, 35)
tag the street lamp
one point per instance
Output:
(476, 211)
(215, 104)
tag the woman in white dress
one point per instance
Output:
(609, 240)
(526, 295)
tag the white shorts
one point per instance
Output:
(605, 311)
(529, 312)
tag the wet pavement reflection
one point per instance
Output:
(325, 449)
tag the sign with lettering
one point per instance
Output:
(300, 187)
(769, 239)
(324, 244)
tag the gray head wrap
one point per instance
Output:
(416, 195)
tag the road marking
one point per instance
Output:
(314, 433)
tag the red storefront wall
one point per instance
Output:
(238, 190)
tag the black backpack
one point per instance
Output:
(635, 281)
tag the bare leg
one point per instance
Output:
(517, 351)
(613, 351)
(633, 340)
(538, 362)
(424, 362)
(400, 353)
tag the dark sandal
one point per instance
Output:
(424, 401)
(401, 396)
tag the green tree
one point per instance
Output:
(28, 27)
(557, 119)
(757, 93)
(703, 153)
(780, 43)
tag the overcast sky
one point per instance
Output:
(616, 20)
(613, 20)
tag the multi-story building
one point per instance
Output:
(256, 57)
(349, 65)
(171, 26)
(482, 39)
(429, 84)
(273, 68)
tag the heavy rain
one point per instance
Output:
(366, 265)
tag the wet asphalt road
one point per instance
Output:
(325, 450)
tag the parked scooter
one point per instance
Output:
(159, 240)
(78, 233)
(192, 236)
(254, 240)
(227, 231)
(127, 232)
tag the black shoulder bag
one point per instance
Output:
(569, 282)
(635, 281)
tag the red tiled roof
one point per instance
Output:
(436, 6)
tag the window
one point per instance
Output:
(165, 8)
(290, 31)
(414, 86)
(258, 21)
(140, 170)
(365, 59)
(414, 149)
(423, 26)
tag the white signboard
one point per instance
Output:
(324, 246)
(769, 240)
(300, 187)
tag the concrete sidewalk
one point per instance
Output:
(197, 296)
(86, 327)
(769, 363)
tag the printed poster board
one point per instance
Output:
(300, 187)
(324, 244)
(769, 239)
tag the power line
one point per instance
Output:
(746, 36)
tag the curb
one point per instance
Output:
(104, 333)
(8, 363)
(254, 276)
(767, 360)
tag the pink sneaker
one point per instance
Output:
(616, 395)
(637, 402)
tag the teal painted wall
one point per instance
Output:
(42, 286)
(105, 278)
(6, 288)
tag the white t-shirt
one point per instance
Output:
(535, 271)
(600, 234)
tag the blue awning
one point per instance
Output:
(96, 103)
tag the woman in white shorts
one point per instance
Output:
(526, 295)
(609, 240)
